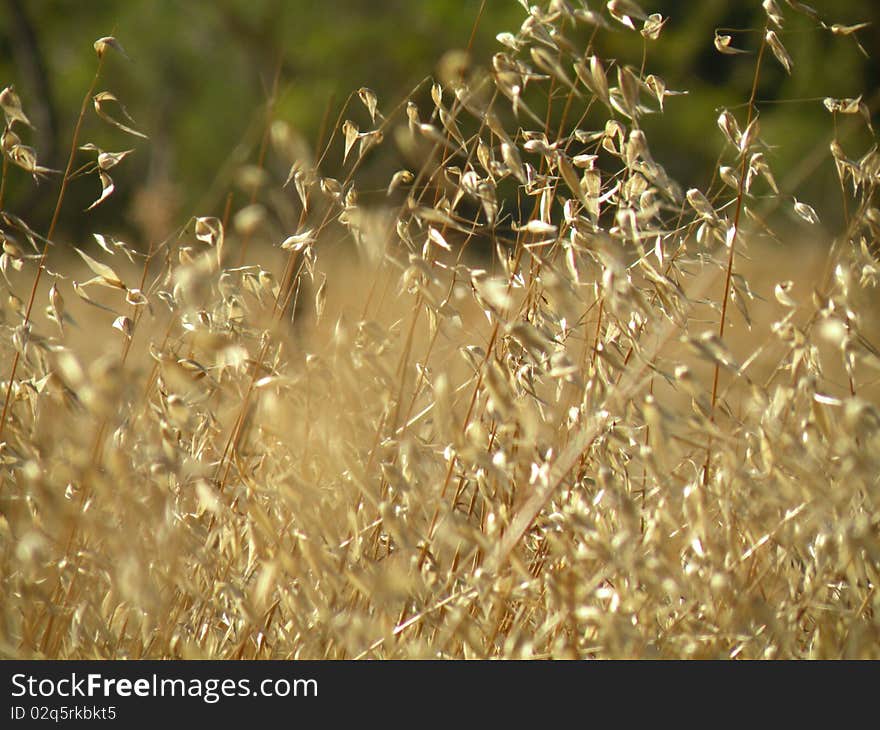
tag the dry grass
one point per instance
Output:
(510, 409)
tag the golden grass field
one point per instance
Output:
(626, 423)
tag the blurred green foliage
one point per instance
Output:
(201, 73)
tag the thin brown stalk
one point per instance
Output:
(740, 199)
(51, 232)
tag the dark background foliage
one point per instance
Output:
(201, 73)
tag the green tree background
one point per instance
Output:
(201, 73)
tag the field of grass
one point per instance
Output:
(530, 399)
